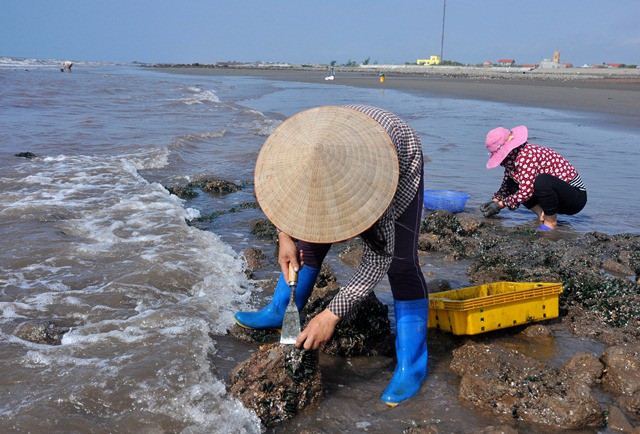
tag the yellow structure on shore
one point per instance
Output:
(553, 63)
(432, 60)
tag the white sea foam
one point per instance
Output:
(195, 138)
(120, 215)
(8, 309)
(116, 207)
(150, 160)
(259, 124)
(128, 335)
(42, 357)
(191, 213)
(200, 96)
(198, 399)
(180, 345)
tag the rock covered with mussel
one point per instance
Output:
(260, 383)
(500, 380)
(204, 184)
(41, 331)
(507, 383)
(277, 382)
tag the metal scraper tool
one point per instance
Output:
(291, 320)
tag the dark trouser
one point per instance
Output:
(554, 196)
(405, 276)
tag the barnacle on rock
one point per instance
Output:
(277, 382)
(218, 186)
(263, 228)
(301, 364)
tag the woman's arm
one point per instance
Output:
(503, 191)
(525, 173)
(372, 269)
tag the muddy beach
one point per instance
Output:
(609, 91)
(575, 372)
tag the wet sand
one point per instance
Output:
(610, 92)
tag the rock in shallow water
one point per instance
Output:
(277, 382)
(47, 332)
(623, 369)
(584, 367)
(217, 186)
(507, 383)
(27, 155)
(260, 382)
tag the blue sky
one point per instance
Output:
(302, 31)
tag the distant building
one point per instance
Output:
(506, 62)
(488, 63)
(546, 63)
(555, 62)
(432, 60)
(615, 65)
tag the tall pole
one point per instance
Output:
(444, 10)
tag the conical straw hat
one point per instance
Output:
(326, 174)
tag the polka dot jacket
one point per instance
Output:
(524, 164)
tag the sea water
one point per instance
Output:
(92, 238)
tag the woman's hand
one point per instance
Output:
(287, 253)
(491, 208)
(318, 331)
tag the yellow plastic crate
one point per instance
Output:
(482, 308)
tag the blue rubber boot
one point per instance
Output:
(271, 316)
(411, 350)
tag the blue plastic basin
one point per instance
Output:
(448, 200)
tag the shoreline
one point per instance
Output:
(610, 92)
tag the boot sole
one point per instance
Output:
(251, 328)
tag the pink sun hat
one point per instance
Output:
(500, 141)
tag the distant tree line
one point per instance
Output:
(353, 63)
